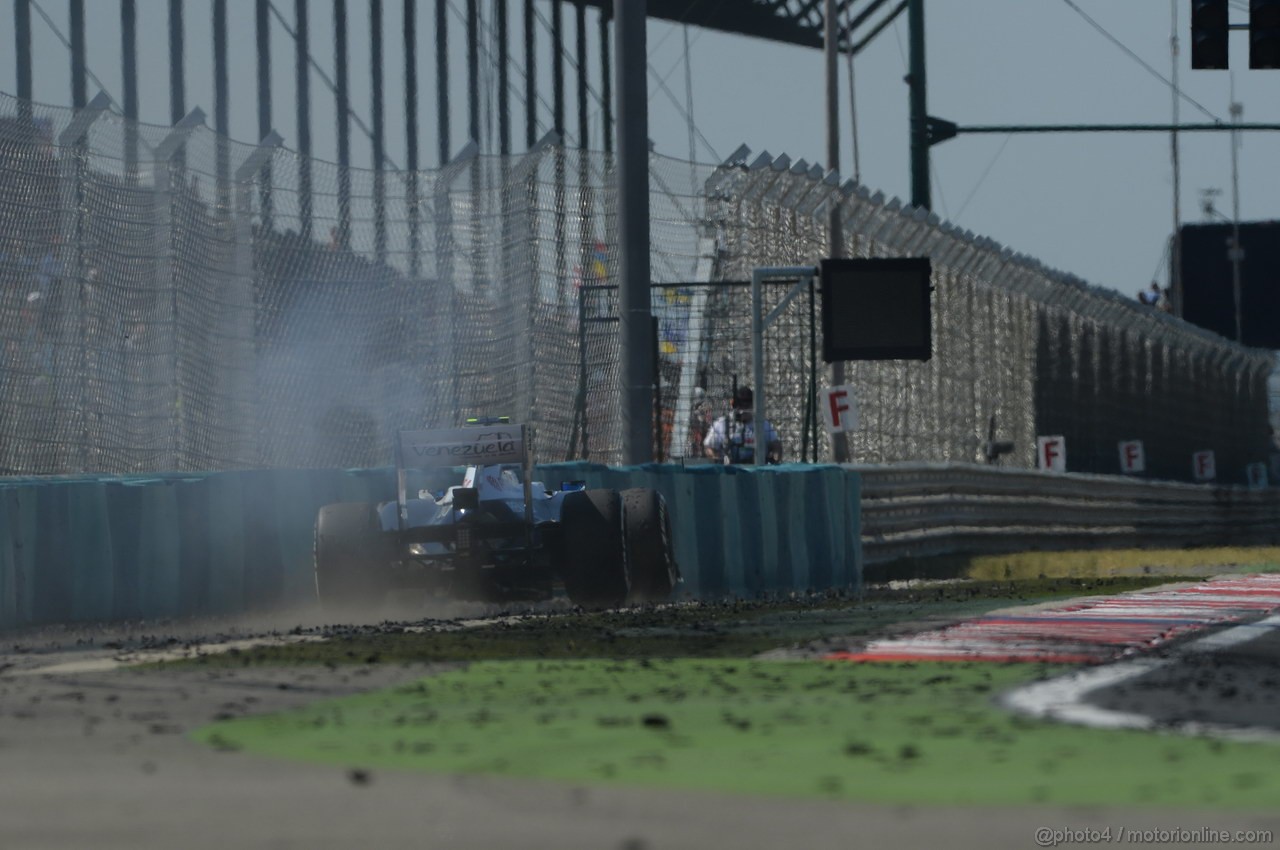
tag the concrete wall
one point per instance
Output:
(86, 548)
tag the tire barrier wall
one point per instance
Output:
(745, 532)
(85, 548)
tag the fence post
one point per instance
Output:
(72, 171)
(239, 302)
(522, 178)
(162, 163)
(445, 246)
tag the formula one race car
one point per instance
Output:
(498, 535)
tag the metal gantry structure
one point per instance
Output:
(798, 22)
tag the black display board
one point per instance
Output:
(1208, 296)
(876, 309)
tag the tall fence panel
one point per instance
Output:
(155, 316)
(1020, 350)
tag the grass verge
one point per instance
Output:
(917, 734)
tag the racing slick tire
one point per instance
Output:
(595, 557)
(650, 560)
(352, 557)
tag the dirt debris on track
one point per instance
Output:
(101, 758)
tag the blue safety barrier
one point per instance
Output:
(80, 548)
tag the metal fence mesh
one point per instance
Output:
(294, 314)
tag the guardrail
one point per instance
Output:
(920, 510)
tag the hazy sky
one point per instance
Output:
(1099, 206)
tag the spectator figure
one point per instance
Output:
(700, 419)
(1150, 297)
(732, 438)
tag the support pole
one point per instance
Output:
(1236, 253)
(129, 70)
(1175, 246)
(262, 30)
(411, 133)
(177, 78)
(262, 33)
(557, 67)
(580, 51)
(606, 80)
(473, 70)
(920, 193)
(504, 99)
(221, 107)
(530, 80)
(835, 237)
(630, 18)
(22, 53)
(442, 79)
(79, 78)
(379, 137)
(343, 95)
(302, 82)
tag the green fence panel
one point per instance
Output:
(128, 547)
(51, 578)
(92, 580)
(263, 566)
(13, 608)
(159, 550)
(194, 552)
(226, 520)
(124, 513)
(8, 604)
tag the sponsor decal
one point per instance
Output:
(462, 447)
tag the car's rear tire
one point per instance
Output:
(352, 557)
(650, 559)
(595, 558)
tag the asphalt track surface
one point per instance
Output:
(1233, 686)
(99, 758)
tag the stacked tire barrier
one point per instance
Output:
(83, 548)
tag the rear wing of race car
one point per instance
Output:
(477, 445)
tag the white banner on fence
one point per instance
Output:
(1133, 458)
(1051, 454)
(1203, 467)
(839, 409)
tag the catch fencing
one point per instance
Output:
(212, 305)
